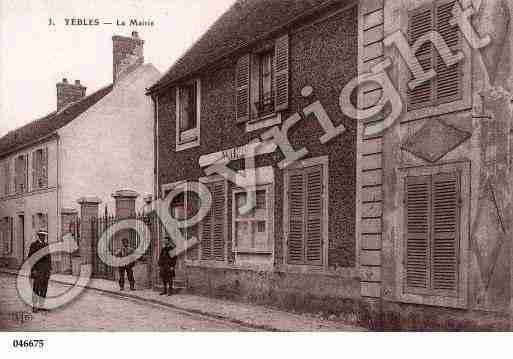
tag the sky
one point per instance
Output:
(34, 55)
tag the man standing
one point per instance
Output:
(167, 263)
(124, 252)
(40, 272)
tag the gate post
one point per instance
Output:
(68, 217)
(125, 203)
(125, 208)
(88, 210)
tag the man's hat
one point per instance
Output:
(42, 232)
(169, 241)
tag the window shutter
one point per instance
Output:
(314, 214)
(448, 79)
(281, 67)
(212, 226)
(11, 235)
(417, 208)
(35, 171)
(3, 232)
(8, 236)
(24, 173)
(218, 207)
(296, 213)
(445, 232)
(16, 175)
(242, 84)
(7, 178)
(421, 21)
(44, 167)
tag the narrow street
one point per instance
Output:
(94, 311)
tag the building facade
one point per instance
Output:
(410, 217)
(441, 234)
(298, 246)
(91, 146)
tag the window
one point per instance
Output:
(306, 214)
(262, 83)
(265, 103)
(251, 230)
(446, 86)
(432, 222)
(39, 169)
(21, 174)
(213, 226)
(7, 233)
(188, 115)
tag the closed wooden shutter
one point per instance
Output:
(314, 215)
(25, 174)
(35, 169)
(213, 225)
(296, 214)
(417, 206)
(10, 237)
(218, 210)
(20, 169)
(3, 233)
(305, 216)
(242, 85)
(281, 68)
(44, 168)
(445, 231)
(432, 233)
(206, 236)
(446, 86)
(422, 22)
(448, 79)
(7, 177)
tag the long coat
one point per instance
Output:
(43, 266)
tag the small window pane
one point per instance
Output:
(188, 107)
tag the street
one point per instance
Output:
(94, 311)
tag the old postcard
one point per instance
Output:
(255, 165)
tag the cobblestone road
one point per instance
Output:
(94, 311)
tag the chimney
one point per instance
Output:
(68, 93)
(127, 54)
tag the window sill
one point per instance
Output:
(28, 193)
(431, 111)
(264, 122)
(186, 145)
(345, 272)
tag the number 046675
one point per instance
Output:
(28, 343)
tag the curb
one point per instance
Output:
(172, 306)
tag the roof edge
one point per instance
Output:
(326, 5)
(54, 134)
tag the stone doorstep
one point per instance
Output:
(218, 316)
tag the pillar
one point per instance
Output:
(125, 203)
(88, 210)
(125, 208)
(68, 216)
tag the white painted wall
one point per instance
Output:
(32, 202)
(110, 146)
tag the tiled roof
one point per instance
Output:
(243, 23)
(45, 126)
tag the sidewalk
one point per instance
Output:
(253, 316)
